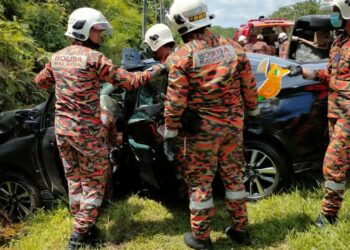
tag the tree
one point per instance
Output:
(224, 32)
(299, 9)
(47, 22)
(18, 55)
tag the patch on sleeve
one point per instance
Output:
(213, 55)
(69, 61)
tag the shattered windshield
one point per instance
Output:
(153, 92)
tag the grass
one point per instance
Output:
(282, 221)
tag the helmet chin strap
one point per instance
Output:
(90, 44)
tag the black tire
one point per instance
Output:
(18, 196)
(267, 170)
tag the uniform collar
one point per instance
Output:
(342, 39)
(208, 37)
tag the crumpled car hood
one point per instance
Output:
(7, 121)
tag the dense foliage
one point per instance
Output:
(296, 10)
(31, 29)
(224, 32)
(18, 54)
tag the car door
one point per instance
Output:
(143, 134)
(48, 151)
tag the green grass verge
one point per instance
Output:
(279, 222)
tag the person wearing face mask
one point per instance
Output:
(77, 72)
(337, 75)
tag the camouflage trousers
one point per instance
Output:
(85, 162)
(220, 149)
(179, 165)
(335, 165)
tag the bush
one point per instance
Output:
(47, 22)
(17, 60)
(126, 22)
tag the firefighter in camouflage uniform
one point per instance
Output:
(160, 42)
(161, 45)
(337, 75)
(76, 72)
(210, 83)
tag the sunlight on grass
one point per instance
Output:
(282, 221)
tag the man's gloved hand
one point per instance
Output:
(157, 70)
(254, 112)
(169, 148)
(170, 143)
(295, 70)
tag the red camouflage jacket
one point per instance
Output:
(337, 76)
(261, 47)
(76, 72)
(213, 77)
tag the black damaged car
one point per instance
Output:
(289, 136)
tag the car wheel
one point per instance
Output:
(18, 197)
(266, 170)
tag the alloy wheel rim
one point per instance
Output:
(260, 177)
(15, 200)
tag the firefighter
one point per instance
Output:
(283, 45)
(242, 40)
(161, 44)
(160, 41)
(76, 72)
(337, 76)
(211, 83)
(260, 46)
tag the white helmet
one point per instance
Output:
(186, 16)
(242, 38)
(157, 36)
(260, 37)
(81, 20)
(344, 6)
(283, 36)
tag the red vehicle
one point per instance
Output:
(269, 28)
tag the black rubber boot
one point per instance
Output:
(241, 237)
(77, 241)
(323, 220)
(195, 243)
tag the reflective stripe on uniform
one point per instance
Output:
(335, 186)
(74, 198)
(237, 195)
(92, 201)
(202, 204)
